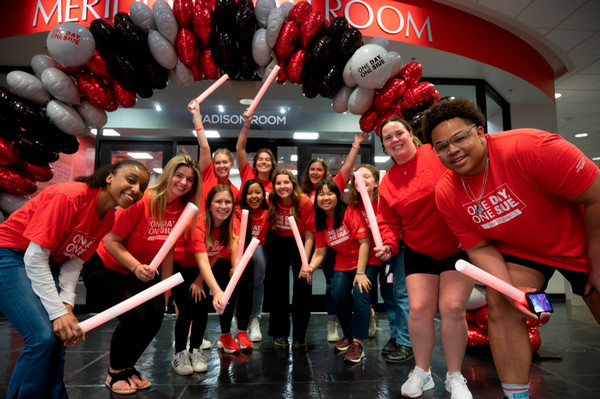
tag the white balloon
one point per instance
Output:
(347, 75)
(274, 23)
(11, 202)
(27, 86)
(340, 99)
(181, 75)
(261, 52)
(360, 100)
(39, 62)
(165, 20)
(66, 118)
(162, 50)
(70, 44)
(477, 299)
(371, 66)
(92, 115)
(380, 40)
(262, 10)
(269, 68)
(60, 86)
(261, 71)
(396, 63)
(286, 7)
(142, 16)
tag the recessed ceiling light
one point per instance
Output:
(306, 135)
(282, 110)
(157, 170)
(581, 135)
(110, 132)
(557, 95)
(140, 155)
(295, 172)
(246, 101)
(381, 158)
(221, 108)
(293, 157)
(596, 159)
(212, 133)
(158, 107)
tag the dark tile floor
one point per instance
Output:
(318, 372)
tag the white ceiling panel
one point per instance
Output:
(569, 39)
(586, 16)
(548, 13)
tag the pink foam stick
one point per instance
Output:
(299, 242)
(131, 303)
(263, 89)
(242, 241)
(362, 189)
(490, 280)
(186, 217)
(239, 269)
(208, 91)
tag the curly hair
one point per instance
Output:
(453, 107)
(98, 178)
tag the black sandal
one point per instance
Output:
(120, 376)
(133, 372)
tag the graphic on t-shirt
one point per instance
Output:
(77, 244)
(256, 229)
(282, 222)
(498, 206)
(336, 236)
(159, 230)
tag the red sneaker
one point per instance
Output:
(228, 344)
(355, 353)
(343, 344)
(242, 338)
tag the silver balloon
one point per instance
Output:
(70, 44)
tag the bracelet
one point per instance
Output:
(355, 146)
(200, 128)
(360, 274)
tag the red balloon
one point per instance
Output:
(470, 316)
(313, 27)
(125, 98)
(286, 41)
(419, 95)
(536, 323)
(534, 337)
(394, 111)
(16, 182)
(203, 21)
(436, 97)
(187, 47)
(299, 12)
(477, 337)
(197, 72)
(210, 70)
(9, 155)
(481, 317)
(411, 73)
(95, 90)
(367, 120)
(293, 67)
(97, 65)
(183, 11)
(41, 173)
(389, 94)
(281, 75)
(112, 106)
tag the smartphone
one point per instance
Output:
(538, 302)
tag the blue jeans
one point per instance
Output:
(395, 298)
(40, 369)
(260, 265)
(352, 307)
(328, 264)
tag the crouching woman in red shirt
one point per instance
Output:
(44, 242)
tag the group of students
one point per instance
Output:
(464, 195)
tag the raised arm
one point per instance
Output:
(205, 155)
(240, 147)
(346, 170)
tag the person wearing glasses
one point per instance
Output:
(407, 211)
(523, 203)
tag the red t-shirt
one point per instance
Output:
(526, 204)
(344, 239)
(407, 207)
(61, 218)
(209, 180)
(142, 235)
(373, 260)
(258, 220)
(220, 245)
(338, 179)
(306, 222)
(247, 173)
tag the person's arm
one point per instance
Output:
(309, 241)
(205, 156)
(346, 170)
(315, 262)
(390, 228)
(364, 285)
(240, 147)
(166, 271)
(209, 278)
(114, 245)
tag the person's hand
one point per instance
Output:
(194, 108)
(364, 284)
(306, 273)
(66, 327)
(593, 282)
(384, 253)
(360, 137)
(524, 308)
(144, 272)
(248, 116)
(218, 300)
(197, 291)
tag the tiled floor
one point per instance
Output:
(319, 372)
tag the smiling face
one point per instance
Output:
(127, 185)
(284, 188)
(181, 183)
(369, 180)
(327, 200)
(263, 164)
(316, 173)
(468, 158)
(254, 197)
(222, 165)
(221, 207)
(398, 142)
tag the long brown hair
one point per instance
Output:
(274, 199)
(305, 184)
(353, 194)
(273, 161)
(226, 229)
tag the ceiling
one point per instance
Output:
(569, 29)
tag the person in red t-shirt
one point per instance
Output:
(286, 200)
(43, 245)
(317, 170)
(407, 210)
(253, 199)
(344, 229)
(120, 267)
(523, 204)
(216, 168)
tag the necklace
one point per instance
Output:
(470, 193)
(408, 163)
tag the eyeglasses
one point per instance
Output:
(458, 140)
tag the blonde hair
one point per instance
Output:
(225, 152)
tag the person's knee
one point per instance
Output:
(42, 340)
(452, 310)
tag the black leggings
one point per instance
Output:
(188, 310)
(137, 327)
(240, 301)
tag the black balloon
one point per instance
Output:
(9, 128)
(351, 40)
(310, 83)
(28, 114)
(225, 48)
(247, 65)
(67, 143)
(320, 53)
(336, 28)
(246, 3)
(105, 36)
(332, 81)
(245, 25)
(122, 17)
(133, 41)
(225, 14)
(123, 70)
(35, 152)
(159, 76)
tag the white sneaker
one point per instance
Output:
(332, 331)
(456, 385)
(206, 344)
(198, 361)
(372, 324)
(255, 334)
(181, 363)
(418, 381)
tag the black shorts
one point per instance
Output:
(415, 262)
(578, 280)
